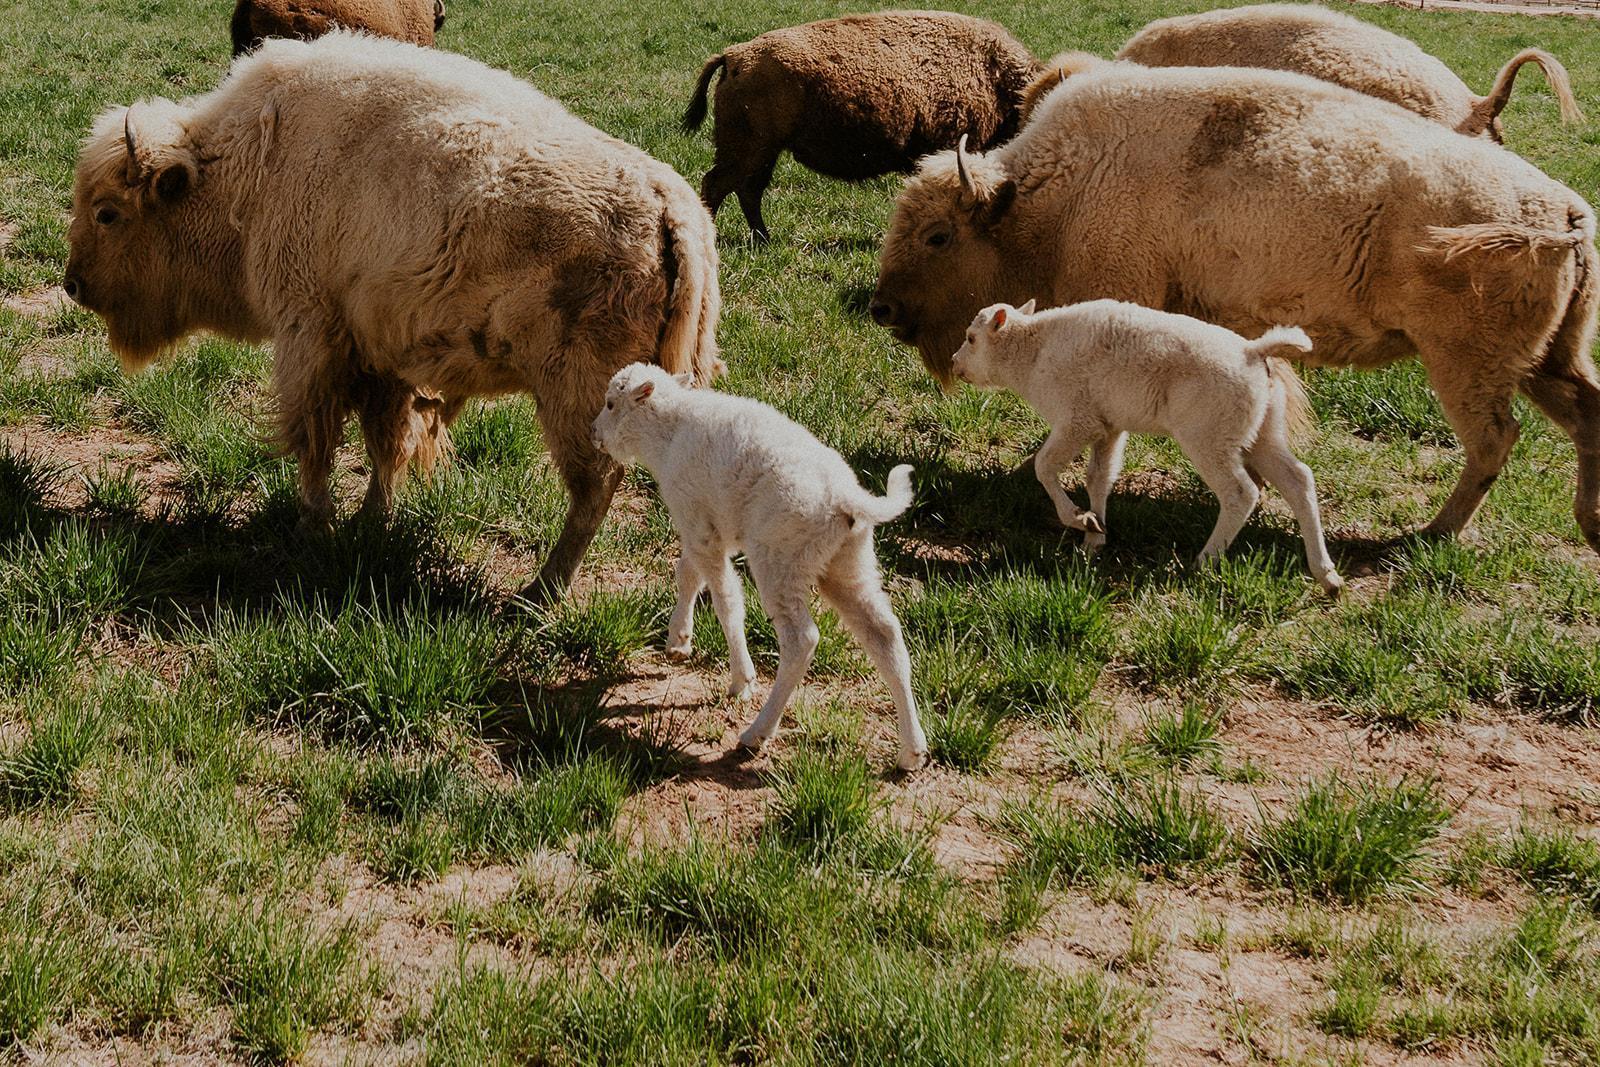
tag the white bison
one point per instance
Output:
(1339, 48)
(404, 225)
(1250, 198)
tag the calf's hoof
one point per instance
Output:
(752, 740)
(1331, 584)
(739, 688)
(914, 759)
(679, 653)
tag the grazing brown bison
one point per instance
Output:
(396, 219)
(855, 97)
(1251, 198)
(405, 20)
(1342, 49)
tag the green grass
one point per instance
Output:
(238, 770)
(1350, 841)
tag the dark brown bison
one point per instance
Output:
(856, 97)
(404, 20)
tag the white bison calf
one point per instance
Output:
(738, 475)
(1099, 369)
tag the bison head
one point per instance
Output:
(942, 260)
(138, 242)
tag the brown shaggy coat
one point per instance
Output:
(1250, 198)
(1342, 49)
(856, 97)
(396, 220)
(405, 20)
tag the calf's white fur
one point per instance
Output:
(1099, 369)
(737, 475)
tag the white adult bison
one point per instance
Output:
(1251, 198)
(401, 223)
(1336, 47)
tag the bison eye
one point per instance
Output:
(107, 215)
(938, 239)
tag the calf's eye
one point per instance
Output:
(106, 216)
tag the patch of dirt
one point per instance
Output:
(81, 454)
(41, 303)
(1578, 8)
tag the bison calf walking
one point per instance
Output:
(397, 220)
(1099, 369)
(856, 97)
(738, 475)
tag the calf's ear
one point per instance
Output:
(642, 391)
(1027, 309)
(999, 319)
(686, 379)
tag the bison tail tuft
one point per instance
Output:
(1502, 238)
(696, 113)
(1488, 108)
(876, 509)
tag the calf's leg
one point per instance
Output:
(853, 586)
(1105, 464)
(680, 628)
(1060, 451)
(785, 596)
(1272, 458)
(1225, 474)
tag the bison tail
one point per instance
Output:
(892, 504)
(696, 113)
(689, 260)
(1502, 238)
(1487, 108)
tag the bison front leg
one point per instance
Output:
(313, 403)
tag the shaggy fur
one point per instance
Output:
(1097, 370)
(397, 219)
(1345, 50)
(1249, 198)
(856, 97)
(254, 21)
(739, 476)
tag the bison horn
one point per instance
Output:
(127, 136)
(961, 167)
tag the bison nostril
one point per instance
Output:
(882, 313)
(69, 286)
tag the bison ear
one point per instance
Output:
(993, 208)
(172, 182)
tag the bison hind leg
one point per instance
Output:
(400, 425)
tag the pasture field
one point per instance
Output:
(261, 803)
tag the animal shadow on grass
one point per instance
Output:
(1006, 524)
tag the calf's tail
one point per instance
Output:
(1274, 349)
(696, 114)
(892, 504)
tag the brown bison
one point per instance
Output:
(395, 220)
(856, 97)
(1251, 198)
(405, 20)
(1338, 48)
